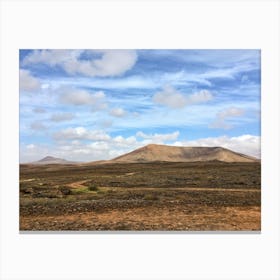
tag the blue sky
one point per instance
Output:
(88, 105)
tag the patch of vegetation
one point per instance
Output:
(93, 188)
(150, 196)
(65, 190)
(81, 190)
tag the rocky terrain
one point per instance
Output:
(209, 195)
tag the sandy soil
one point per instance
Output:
(151, 218)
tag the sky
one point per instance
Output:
(87, 105)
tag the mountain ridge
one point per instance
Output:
(164, 153)
(53, 160)
(155, 152)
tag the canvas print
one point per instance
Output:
(140, 140)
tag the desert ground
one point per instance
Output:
(161, 196)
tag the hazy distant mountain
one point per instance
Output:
(53, 160)
(155, 152)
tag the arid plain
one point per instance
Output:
(156, 188)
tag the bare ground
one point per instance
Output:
(151, 218)
(155, 196)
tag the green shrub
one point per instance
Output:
(93, 188)
(64, 190)
(150, 196)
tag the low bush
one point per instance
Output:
(64, 190)
(150, 196)
(93, 188)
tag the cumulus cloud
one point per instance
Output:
(121, 141)
(81, 133)
(50, 57)
(100, 63)
(78, 97)
(60, 117)
(158, 138)
(222, 117)
(172, 98)
(245, 144)
(27, 82)
(118, 112)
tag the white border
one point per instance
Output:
(153, 24)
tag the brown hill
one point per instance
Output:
(155, 152)
(53, 160)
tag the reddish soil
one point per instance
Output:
(151, 218)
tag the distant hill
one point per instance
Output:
(155, 152)
(53, 160)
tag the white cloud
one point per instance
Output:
(45, 86)
(245, 144)
(199, 97)
(227, 73)
(204, 78)
(77, 97)
(183, 78)
(81, 133)
(38, 126)
(27, 82)
(30, 146)
(50, 57)
(230, 112)
(170, 97)
(120, 141)
(223, 116)
(117, 112)
(60, 117)
(100, 63)
(158, 138)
